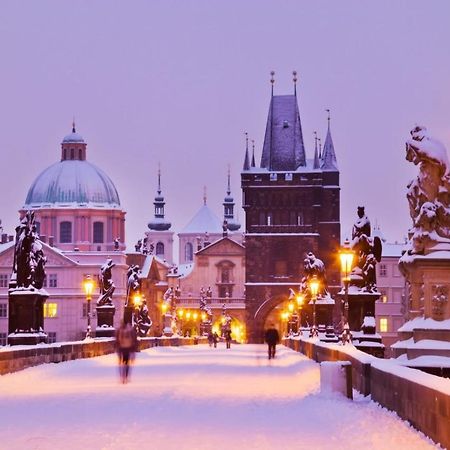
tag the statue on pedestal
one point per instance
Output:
(142, 320)
(314, 266)
(107, 286)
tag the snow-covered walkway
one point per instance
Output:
(191, 398)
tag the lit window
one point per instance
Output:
(383, 325)
(53, 280)
(50, 310)
(3, 310)
(383, 270)
(3, 280)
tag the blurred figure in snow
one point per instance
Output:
(228, 338)
(210, 339)
(215, 339)
(272, 338)
(126, 345)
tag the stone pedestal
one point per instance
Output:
(105, 321)
(360, 305)
(26, 316)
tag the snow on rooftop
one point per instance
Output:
(422, 323)
(204, 221)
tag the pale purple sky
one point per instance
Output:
(180, 81)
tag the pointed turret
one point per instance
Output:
(253, 153)
(228, 208)
(329, 161)
(246, 159)
(159, 223)
(316, 153)
(283, 147)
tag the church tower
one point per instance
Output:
(160, 236)
(228, 209)
(291, 206)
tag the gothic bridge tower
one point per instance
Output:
(291, 206)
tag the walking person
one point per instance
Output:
(272, 338)
(228, 338)
(215, 339)
(210, 339)
(126, 345)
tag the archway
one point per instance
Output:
(238, 329)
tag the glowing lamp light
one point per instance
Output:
(164, 308)
(137, 299)
(88, 285)
(314, 286)
(180, 313)
(195, 316)
(300, 299)
(346, 256)
(188, 315)
(291, 307)
(203, 316)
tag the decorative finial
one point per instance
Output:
(229, 176)
(246, 140)
(329, 117)
(315, 138)
(320, 147)
(272, 79)
(159, 178)
(73, 125)
(204, 195)
(294, 79)
(253, 153)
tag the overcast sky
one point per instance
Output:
(180, 81)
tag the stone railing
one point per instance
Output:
(13, 359)
(420, 398)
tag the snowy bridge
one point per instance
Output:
(192, 398)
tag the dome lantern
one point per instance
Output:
(73, 146)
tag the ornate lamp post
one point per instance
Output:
(346, 256)
(88, 285)
(314, 289)
(300, 299)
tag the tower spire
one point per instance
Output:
(316, 153)
(159, 179)
(320, 148)
(228, 185)
(73, 125)
(204, 195)
(294, 79)
(328, 118)
(253, 153)
(328, 160)
(272, 79)
(246, 160)
(228, 208)
(159, 223)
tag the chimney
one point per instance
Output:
(51, 241)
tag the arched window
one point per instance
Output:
(65, 232)
(72, 153)
(159, 249)
(98, 233)
(80, 154)
(188, 252)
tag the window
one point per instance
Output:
(225, 275)
(188, 252)
(65, 232)
(383, 324)
(72, 153)
(53, 280)
(384, 298)
(50, 310)
(159, 249)
(3, 310)
(3, 280)
(3, 338)
(98, 232)
(383, 270)
(38, 227)
(80, 153)
(51, 337)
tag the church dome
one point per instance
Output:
(72, 183)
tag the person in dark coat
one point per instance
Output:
(210, 339)
(228, 338)
(215, 339)
(126, 346)
(272, 338)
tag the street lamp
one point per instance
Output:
(346, 256)
(314, 289)
(137, 300)
(300, 299)
(88, 285)
(291, 311)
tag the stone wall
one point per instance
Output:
(420, 398)
(17, 358)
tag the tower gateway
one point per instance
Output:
(291, 206)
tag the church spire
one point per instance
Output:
(329, 161)
(228, 208)
(247, 159)
(294, 79)
(159, 223)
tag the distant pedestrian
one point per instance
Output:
(228, 338)
(215, 339)
(210, 339)
(272, 338)
(126, 345)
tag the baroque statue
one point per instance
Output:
(314, 266)
(107, 286)
(428, 194)
(29, 259)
